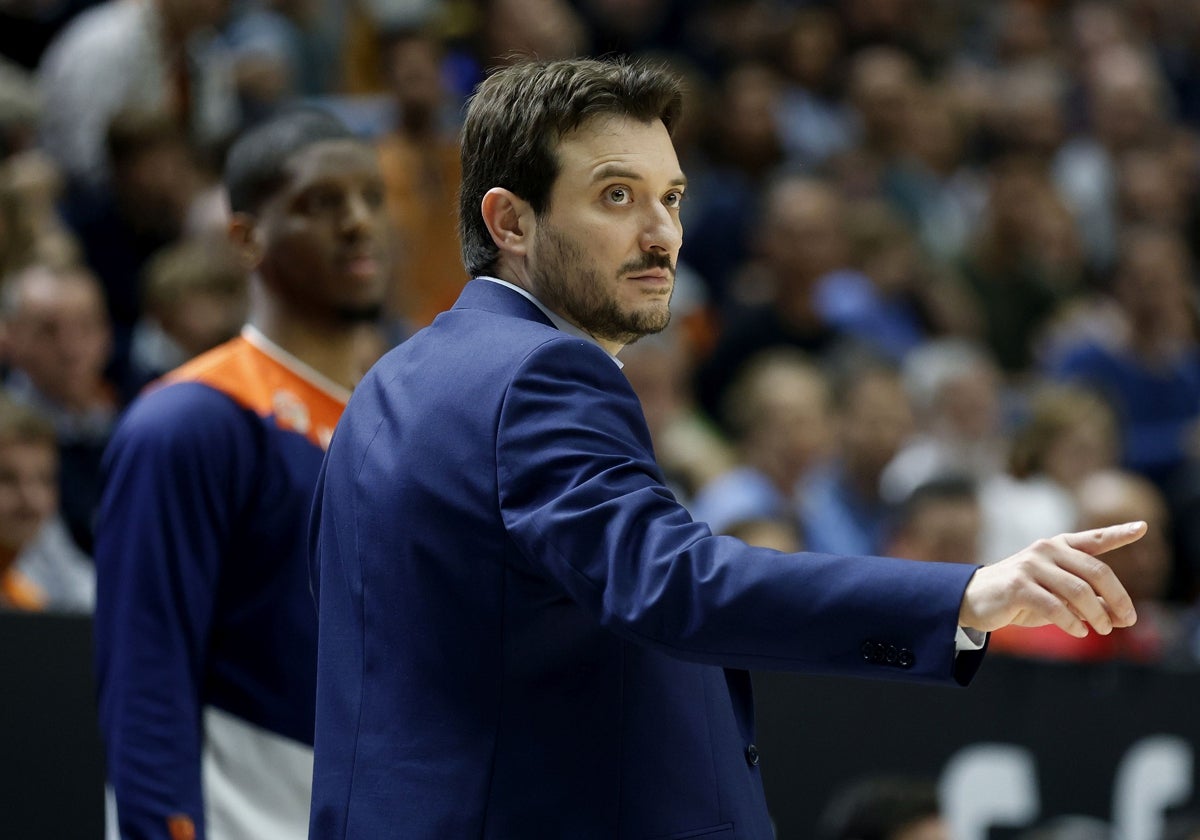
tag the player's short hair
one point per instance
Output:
(519, 114)
(256, 166)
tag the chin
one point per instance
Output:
(359, 312)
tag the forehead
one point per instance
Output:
(330, 160)
(644, 148)
(19, 452)
(56, 293)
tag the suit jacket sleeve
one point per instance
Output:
(584, 502)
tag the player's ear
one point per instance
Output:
(510, 220)
(244, 234)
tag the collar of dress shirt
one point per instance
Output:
(558, 321)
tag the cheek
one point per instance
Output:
(296, 255)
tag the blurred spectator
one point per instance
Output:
(40, 566)
(891, 299)
(1025, 259)
(1150, 369)
(941, 521)
(841, 509)
(146, 55)
(280, 50)
(955, 388)
(1027, 114)
(1023, 32)
(1143, 567)
(687, 446)
(20, 108)
(884, 808)
(58, 341)
(421, 172)
(30, 227)
(739, 148)
(1127, 109)
(1150, 191)
(930, 183)
(141, 210)
(779, 418)
(814, 121)
(800, 236)
(883, 88)
(545, 29)
(195, 296)
(1069, 434)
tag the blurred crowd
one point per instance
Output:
(937, 295)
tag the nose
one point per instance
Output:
(662, 230)
(360, 216)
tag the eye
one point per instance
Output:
(619, 195)
(374, 196)
(673, 199)
(322, 201)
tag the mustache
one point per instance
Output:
(651, 260)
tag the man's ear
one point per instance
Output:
(509, 219)
(244, 234)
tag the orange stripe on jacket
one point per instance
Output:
(262, 384)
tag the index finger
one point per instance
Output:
(1100, 540)
(1105, 586)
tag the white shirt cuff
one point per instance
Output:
(967, 639)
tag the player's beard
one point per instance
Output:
(566, 284)
(362, 313)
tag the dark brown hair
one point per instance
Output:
(517, 117)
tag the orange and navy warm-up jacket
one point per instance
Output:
(205, 623)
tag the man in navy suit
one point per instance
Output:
(522, 633)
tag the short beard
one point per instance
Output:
(363, 313)
(583, 299)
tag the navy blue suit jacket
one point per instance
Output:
(524, 635)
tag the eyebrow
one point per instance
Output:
(613, 170)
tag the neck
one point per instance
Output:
(328, 347)
(522, 280)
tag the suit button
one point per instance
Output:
(906, 658)
(752, 755)
(870, 651)
(891, 654)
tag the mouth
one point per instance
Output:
(362, 266)
(657, 277)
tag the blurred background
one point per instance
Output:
(937, 298)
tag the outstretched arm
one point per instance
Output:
(1054, 581)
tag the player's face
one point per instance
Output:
(28, 491)
(604, 251)
(324, 234)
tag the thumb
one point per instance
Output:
(1100, 540)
